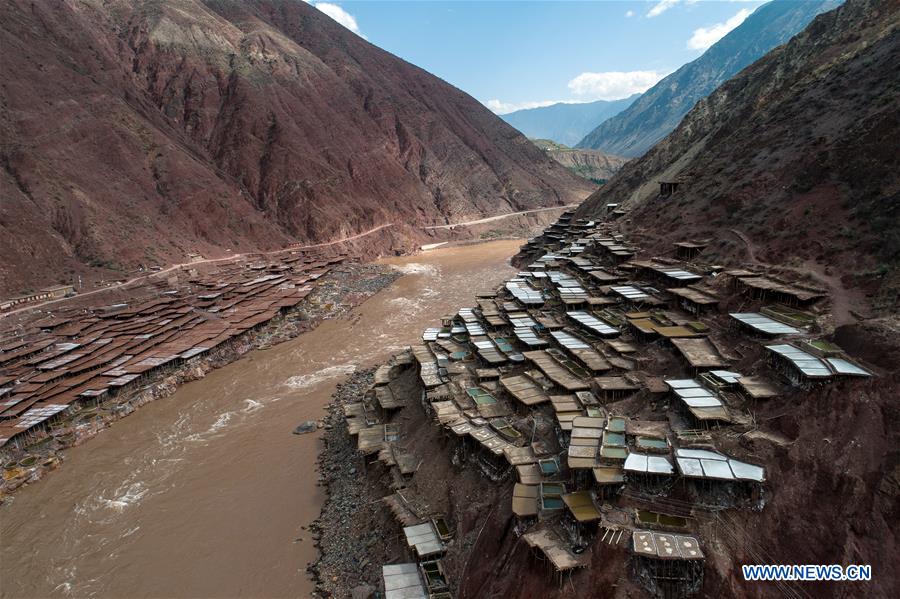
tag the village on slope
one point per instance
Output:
(598, 419)
(626, 416)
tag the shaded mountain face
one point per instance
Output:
(134, 133)
(594, 165)
(793, 161)
(658, 111)
(566, 123)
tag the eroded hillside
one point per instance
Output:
(594, 165)
(137, 134)
(792, 162)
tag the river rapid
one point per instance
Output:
(204, 493)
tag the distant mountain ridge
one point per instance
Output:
(659, 110)
(566, 123)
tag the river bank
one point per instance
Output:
(350, 547)
(651, 449)
(367, 501)
(334, 297)
(206, 492)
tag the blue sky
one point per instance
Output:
(513, 54)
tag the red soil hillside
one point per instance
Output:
(134, 133)
(794, 161)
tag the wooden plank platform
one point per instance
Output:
(555, 371)
(524, 389)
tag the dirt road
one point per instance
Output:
(498, 217)
(174, 267)
(169, 269)
(842, 299)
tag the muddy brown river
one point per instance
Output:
(203, 494)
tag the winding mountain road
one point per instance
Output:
(498, 217)
(168, 269)
(234, 257)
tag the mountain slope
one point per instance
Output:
(595, 165)
(793, 161)
(658, 111)
(134, 133)
(565, 123)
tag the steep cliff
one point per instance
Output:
(793, 161)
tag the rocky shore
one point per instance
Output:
(357, 532)
(349, 545)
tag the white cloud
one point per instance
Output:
(338, 14)
(661, 7)
(704, 37)
(613, 85)
(664, 5)
(629, 14)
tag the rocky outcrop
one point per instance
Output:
(595, 165)
(793, 161)
(134, 134)
(658, 111)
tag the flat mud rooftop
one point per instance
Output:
(594, 413)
